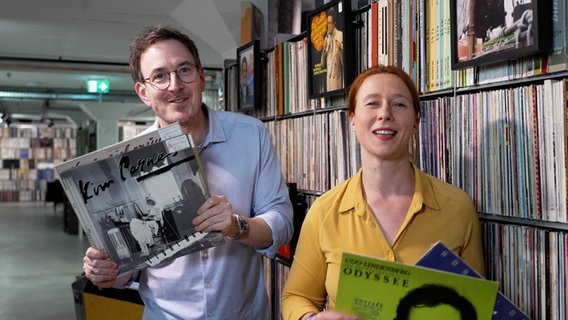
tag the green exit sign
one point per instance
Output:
(98, 86)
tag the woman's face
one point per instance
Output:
(384, 119)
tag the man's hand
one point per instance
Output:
(215, 214)
(100, 270)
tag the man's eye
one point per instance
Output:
(160, 76)
(185, 71)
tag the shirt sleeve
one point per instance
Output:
(271, 198)
(305, 290)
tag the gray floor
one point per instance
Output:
(38, 262)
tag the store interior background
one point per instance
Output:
(49, 49)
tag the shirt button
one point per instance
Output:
(390, 255)
(208, 285)
(205, 255)
(210, 315)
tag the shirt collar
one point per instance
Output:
(216, 131)
(423, 193)
(353, 196)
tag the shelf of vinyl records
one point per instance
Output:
(27, 156)
(496, 131)
(506, 147)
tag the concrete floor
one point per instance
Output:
(38, 262)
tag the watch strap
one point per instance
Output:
(242, 227)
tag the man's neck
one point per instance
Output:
(199, 129)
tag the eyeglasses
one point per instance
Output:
(161, 80)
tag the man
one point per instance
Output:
(249, 201)
(145, 228)
(433, 301)
(245, 92)
(488, 15)
(332, 53)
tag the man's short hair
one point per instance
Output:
(432, 295)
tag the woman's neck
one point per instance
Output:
(388, 178)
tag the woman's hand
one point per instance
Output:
(333, 315)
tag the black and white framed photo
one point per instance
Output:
(490, 31)
(330, 57)
(249, 76)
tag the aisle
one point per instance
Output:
(38, 262)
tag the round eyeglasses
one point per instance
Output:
(161, 80)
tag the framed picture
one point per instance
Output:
(330, 59)
(489, 31)
(249, 77)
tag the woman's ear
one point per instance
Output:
(416, 124)
(352, 121)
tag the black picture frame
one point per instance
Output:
(340, 70)
(509, 30)
(249, 91)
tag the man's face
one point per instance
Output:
(180, 101)
(330, 24)
(244, 72)
(439, 312)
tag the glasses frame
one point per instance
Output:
(169, 73)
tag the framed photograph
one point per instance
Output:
(489, 31)
(249, 77)
(330, 60)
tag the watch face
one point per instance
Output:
(243, 225)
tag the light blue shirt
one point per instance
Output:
(227, 282)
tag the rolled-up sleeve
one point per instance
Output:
(272, 201)
(241, 163)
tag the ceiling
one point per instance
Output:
(49, 49)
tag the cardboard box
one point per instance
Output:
(93, 303)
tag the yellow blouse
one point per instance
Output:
(340, 220)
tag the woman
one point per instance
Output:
(389, 209)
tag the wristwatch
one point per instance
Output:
(242, 227)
